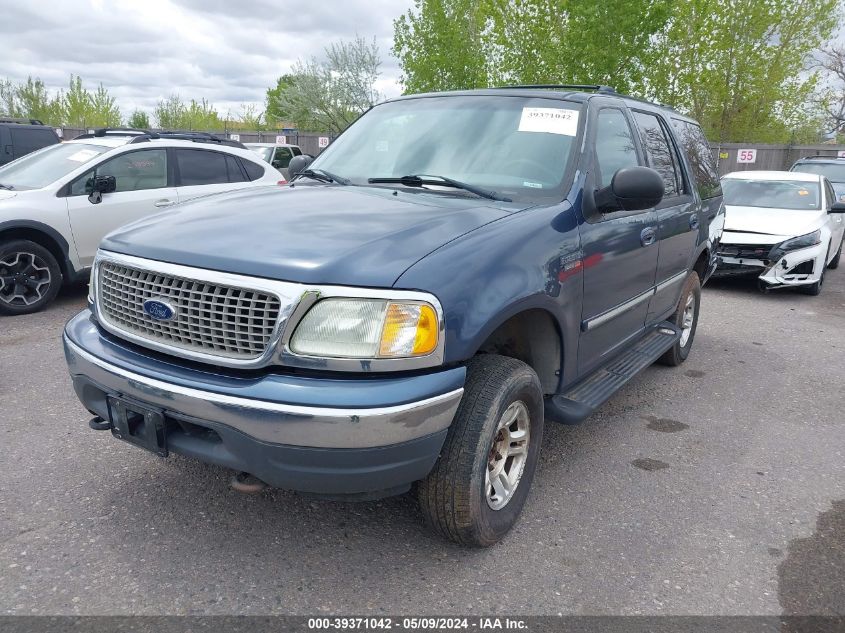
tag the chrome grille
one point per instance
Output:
(226, 321)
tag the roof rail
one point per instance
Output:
(585, 87)
(20, 121)
(824, 156)
(195, 137)
(113, 131)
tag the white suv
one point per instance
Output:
(57, 203)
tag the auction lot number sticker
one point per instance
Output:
(417, 624)
(549, 120)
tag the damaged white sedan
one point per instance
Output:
(785, 227)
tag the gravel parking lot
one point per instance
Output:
(713, 488)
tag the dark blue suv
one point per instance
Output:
(453, 270)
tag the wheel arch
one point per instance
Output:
(532, 335)
(43, 235)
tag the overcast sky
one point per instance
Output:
(228, 51)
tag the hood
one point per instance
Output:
(361, 236)
(782, 223)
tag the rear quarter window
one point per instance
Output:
(254, 171)
(700, 158)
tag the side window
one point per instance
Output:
(282, 158)
(200, 167)
(830, 193)
(615, 147)
(296, 151)
(233, 168)
(254, 171)
(132, 171)
(700, 157)
(660, 152)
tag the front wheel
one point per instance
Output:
(834, 263)
(475, 493)
(30, 277)
(686, 319)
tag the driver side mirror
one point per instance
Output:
(631, 189)
(100, 185)
(837, 207)
(299, 164)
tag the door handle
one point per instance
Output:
(647, 236)
(693, 221)
(164, 203)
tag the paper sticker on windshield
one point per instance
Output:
(549, 120)
(82, 155)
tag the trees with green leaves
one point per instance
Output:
(328, 95)
(139, 120)
(274, 113)
(742, 67)
(173, 114)
(454, 44)
(77, 107)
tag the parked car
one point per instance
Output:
(277, 154)
(830, 167)
(19, 137)
(453, 270)
(57, 203)
(784, 227)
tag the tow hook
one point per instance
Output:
(246, 483)
(99, 424)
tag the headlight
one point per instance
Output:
(802, 241)
(367, 328)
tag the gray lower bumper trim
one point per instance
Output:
(275, 422)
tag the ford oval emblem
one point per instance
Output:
(159, 310)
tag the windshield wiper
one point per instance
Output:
(323, 176)
(418, 180)
(9, 187)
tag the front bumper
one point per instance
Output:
(333, 436)
(794, 268)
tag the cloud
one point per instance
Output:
(224, 51)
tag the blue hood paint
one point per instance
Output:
(357, 236)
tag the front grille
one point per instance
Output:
(225, 321)
(746, 251)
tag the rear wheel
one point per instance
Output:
(30, 277)
(476, 491)
(686, 319)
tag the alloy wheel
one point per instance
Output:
(507, 456)
(24, 279)
(687, 319)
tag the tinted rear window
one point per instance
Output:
(200, 167)
(27, 139)
(700, 157)
(254, 171)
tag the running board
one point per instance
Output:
(580, 400)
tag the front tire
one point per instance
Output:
(814, 290)
(686, 319)
(476, 491)
(834, 263)
(30, 277)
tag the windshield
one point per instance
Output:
(47, 165)
(833, 172)
(772, 194)
(518, 147)
(266, 153)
